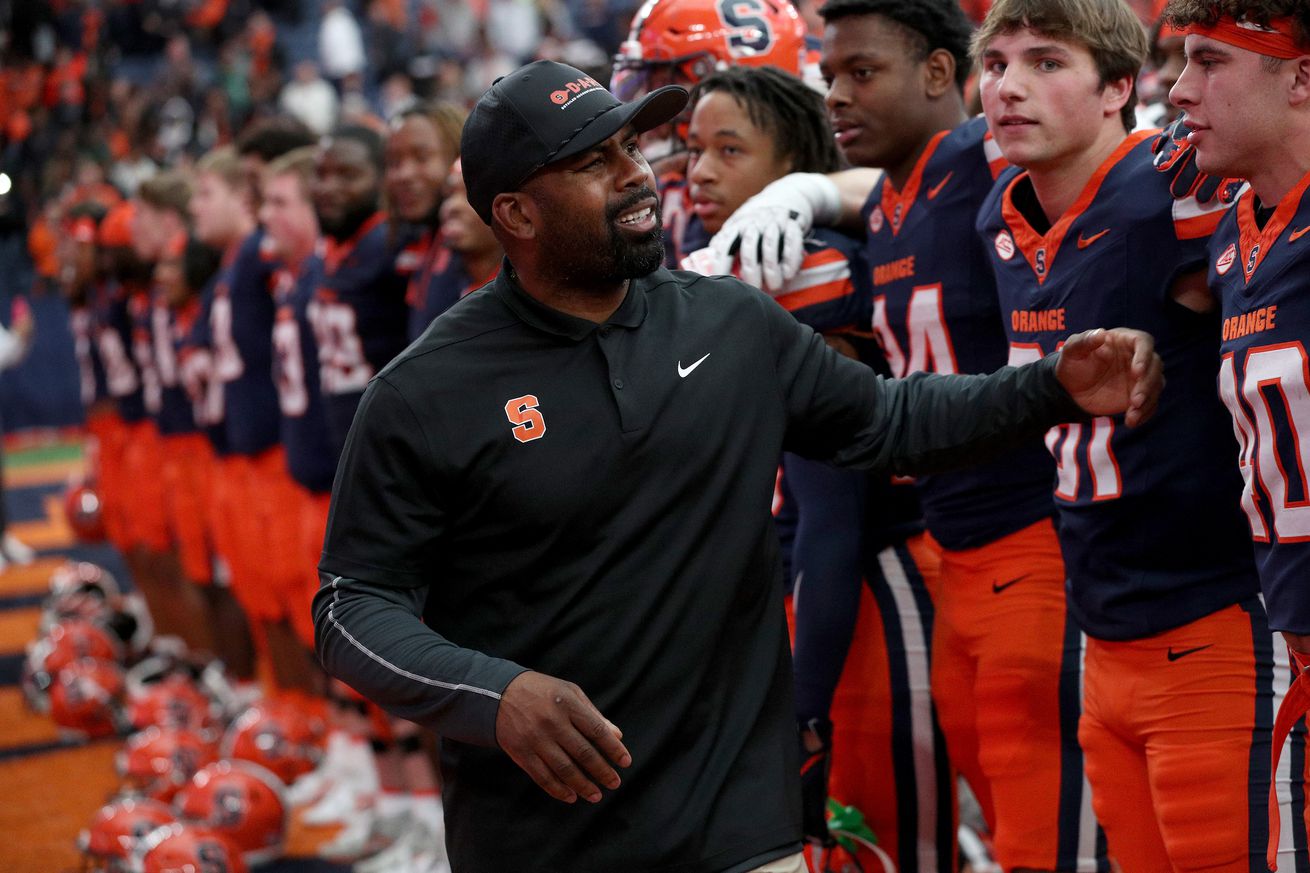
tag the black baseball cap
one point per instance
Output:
(542, 113)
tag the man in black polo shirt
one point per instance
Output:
(553, 509)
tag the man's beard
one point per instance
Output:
(607, 259)
(351, 220)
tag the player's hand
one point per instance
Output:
(707, 262)
(1176, 156)
(553, 732)
(767, 232)
(1108, 372)
(816, 764)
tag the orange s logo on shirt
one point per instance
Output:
(528, 423)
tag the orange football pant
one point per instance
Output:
(188, 471)
(1006, 676)
(888, 755)
(1177, 730)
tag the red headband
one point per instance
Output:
(1275, 40)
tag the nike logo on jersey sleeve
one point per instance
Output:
(1298, 233)
(684, 371)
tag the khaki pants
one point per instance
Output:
(790, 864)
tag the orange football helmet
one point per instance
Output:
(187, 848)
(172, 701)
(86, 698)
(242, 802)
(116, 831)
(680, 42)
(159, 762)
(278, 736)
(82, 507)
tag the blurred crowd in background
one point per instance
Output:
(107, 91)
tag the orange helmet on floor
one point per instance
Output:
(242, 802)
(188, 848)
(278, 736)
(160, 762)
(117, 830)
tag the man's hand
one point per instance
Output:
(553, 732)
(1107, 372)
(1176, 156)
(767, 232)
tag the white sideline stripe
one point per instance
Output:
(918, 670)
(812, 276)
(437, 683)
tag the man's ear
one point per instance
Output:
(939, 73)
(1299, 93)
(516, 213)
(1115, 94)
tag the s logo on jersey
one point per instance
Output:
(1252, 259)
(1224, 263)
(1004, 245)
(528, 423)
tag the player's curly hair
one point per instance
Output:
(929, 24)
(1108, 28)
(791, 112)
(1181, 13)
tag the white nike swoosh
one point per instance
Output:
(683, 372)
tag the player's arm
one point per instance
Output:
(767, 232)
(1192, 291)
(839, 410)
(379, 557)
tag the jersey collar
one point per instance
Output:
(896, 204)
(1039, 248)
(1255, 241)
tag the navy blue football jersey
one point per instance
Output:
(439, 285)
(1148, 517)
(198, 370)
(935, 310)
(153, 326)
(310, 456)
(112, 322)
(241, 339)
(1261, 274)
(90, 372)
(359, 315)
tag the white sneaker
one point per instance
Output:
(353, 840)
(16, 551)
(342, 803)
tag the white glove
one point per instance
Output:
(707, 262)
(767, 232)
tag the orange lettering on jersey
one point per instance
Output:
(528, 423)
(902, 268)
(1032, 321)
(1251, 322)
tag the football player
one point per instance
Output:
(259, 500)
(858, 557)
(467, 257)
(1246, 92)
(358, 311)
(1181, 677)
(896, 73)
